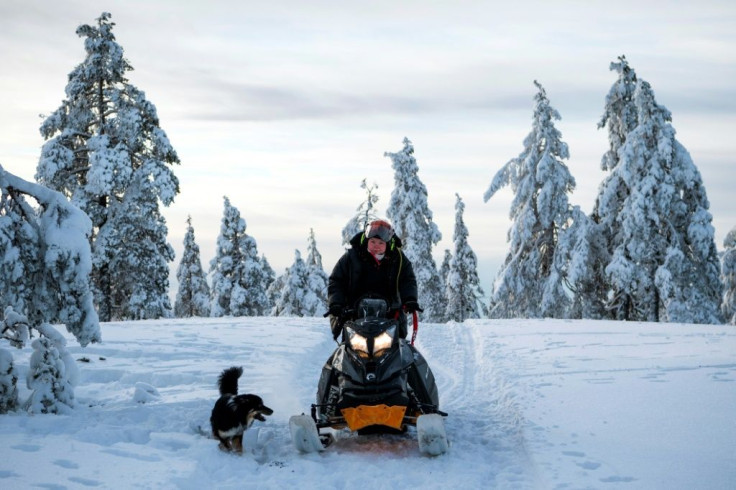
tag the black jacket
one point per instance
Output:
(357, 273)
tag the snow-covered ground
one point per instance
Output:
(532, 404)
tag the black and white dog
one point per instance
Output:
(233, 414)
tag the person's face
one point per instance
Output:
(376, 246)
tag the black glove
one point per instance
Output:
(412, 306)
(336, 310)
(336, 324)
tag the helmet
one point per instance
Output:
(379, 229)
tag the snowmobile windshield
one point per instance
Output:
(379, 229)
(372, 308)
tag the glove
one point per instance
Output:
(335, 326)
(336, 310)
(412, 306)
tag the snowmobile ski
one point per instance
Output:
(431, 434)
(304, 434)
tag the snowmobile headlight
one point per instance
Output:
(358, 343)
(383, 342)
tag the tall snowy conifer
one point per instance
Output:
(464, 295)
(296, 296)
(620, 113)
(238, 278)
(664, 264)
(728, 274)
(619, 118)
(269, 277)
(365, 213)
(412, 219)
(193, 296)
(539, 210)
(106, 152)
(445, 269)
(316, 275)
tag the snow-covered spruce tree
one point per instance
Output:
(576, 264)
(275, 289)
(45, 264)
(268, 271)
(8, 383)
(619, 118)
(620, 113)
(106, 152)
(251, 294)
(15, 330)
(53, 284)
(52, 375)
(409, 212)
(365, 213)
(19, 247)
(193, 296)
(728, 274)
(445, 269)
(464, 295)
(664, 263)
(270, 276)
(238, 279)
(540, 182)
(316, 275)
(296, 297)
(134, 240)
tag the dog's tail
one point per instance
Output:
(228, 381)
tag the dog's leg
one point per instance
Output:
(238, 443)
(224, 446)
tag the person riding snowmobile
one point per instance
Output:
(374, 266)
(375, 382)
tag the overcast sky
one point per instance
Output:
(285, 106)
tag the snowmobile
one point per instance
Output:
(374, 382)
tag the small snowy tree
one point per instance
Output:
(13, 332)
(45, 264)
(412, 219)
(253, 299)
(464, 294)
(270, 276)
(539, 210)
(728, 275)
(445, 269)
(365, 213)
(106, 152)
(275, 289)
(8, 383)
(193, 296)
(296, 298)
(238, 279)
(52, 375)
(664, 264)
(316, 275)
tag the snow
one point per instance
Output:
(531, 403)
